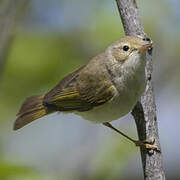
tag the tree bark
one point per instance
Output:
(9, 11)
(144, 112)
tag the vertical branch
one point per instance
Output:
(144, 112)
(9, 11)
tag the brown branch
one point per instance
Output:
(9, 11)
(144, 112)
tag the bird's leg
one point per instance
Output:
(148, 143)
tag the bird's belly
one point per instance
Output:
(119, 106)
(109, 111)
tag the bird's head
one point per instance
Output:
(128, 47)
(127, 53)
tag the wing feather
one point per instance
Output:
(83, 89)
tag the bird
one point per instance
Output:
(103, 90)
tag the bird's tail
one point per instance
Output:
(31, 110)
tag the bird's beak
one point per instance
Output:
(145, 47)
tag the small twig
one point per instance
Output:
(144, 112)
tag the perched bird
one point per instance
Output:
(103, 90)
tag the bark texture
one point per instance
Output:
(9, 11)
(144, 112)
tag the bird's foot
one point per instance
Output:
(148, 144)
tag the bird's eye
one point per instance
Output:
(125, 48)
(147, 39)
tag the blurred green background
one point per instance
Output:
(54, 37)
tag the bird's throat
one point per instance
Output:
(128, 76)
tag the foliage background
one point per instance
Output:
(53, 38)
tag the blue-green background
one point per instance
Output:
(53, 38)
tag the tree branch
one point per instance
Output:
(144, 112)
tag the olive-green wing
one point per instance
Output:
(83, 89)
(65, 96)
(94, 82)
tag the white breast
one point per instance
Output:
(129, 86)
(107, 112)
(114, 109)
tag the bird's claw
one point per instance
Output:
(148, 144)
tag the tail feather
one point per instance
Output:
(31, 110)
(30, 104)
